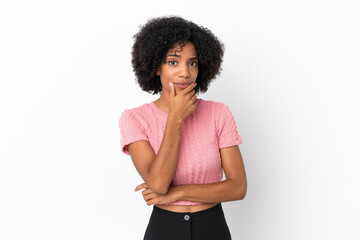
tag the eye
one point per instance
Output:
(172, 62)
(194, 64)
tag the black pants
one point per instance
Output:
(209, 224)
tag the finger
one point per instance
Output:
(148, 197)
(146, 191)
(191, 93)
(141, 186)
(188, 88)
(150, 202)
(138, 187)
(193, 98)
(172, 89)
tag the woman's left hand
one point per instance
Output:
(153, 198)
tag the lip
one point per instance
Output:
(182, 85)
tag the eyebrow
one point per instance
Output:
(180, 56)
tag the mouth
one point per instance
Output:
(182, 85)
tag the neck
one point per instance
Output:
(163, 102)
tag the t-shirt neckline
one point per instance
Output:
(162, 112)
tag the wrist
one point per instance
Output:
(178, 192)
(174, 118)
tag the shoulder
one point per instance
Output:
(215, 106)
(219, 111)
(136, 113)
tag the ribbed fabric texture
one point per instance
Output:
(208, 128)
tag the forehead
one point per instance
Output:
(187, 48)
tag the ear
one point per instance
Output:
(158, 72)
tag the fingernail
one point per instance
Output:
(170, 84)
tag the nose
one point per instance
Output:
(184, 71)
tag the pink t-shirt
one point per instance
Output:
(208, 128)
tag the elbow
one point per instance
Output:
(160, 188)
(242, 194)
(241, 191)
(156, 184)
(161, 191)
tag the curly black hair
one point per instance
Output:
(159, 35)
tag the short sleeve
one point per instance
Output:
(131, 130)
(227, 133)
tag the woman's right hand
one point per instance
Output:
(183, 103)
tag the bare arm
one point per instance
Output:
(157, 170)
(224, 191)
(233, 188)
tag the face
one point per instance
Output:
(180, 66)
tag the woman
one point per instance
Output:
(180, 144)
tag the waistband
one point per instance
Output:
(215, 211)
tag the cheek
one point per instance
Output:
(195, 71)
(171, 73)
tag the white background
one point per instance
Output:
(290, 77)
